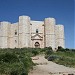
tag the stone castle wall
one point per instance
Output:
(28, 33)
(40, 26)
(24, 31)
(59, 33)
(4, 34)
(50, 32)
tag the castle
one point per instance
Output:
(30, 33)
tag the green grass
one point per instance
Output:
(16, 61)
(66, 58)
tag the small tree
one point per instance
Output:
(60, 49)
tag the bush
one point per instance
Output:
(35, 52)
(46, 56)
(52, 58)
(66, 57)
(8, 57)
(15, 61)
(61, 49)
(24, 74)
(48, 48)
(14, 73)
(48, 52)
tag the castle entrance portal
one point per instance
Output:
(37, 45)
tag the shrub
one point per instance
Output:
(46, 56)
(48, 48)
(14, 73)
(52, 58)
(35, 52)
(48, 52)
(24, 74)
(67, 49)
(61, 49)
(15, 61)
(8, 57)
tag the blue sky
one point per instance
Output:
(61, 10)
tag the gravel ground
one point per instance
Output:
(45, 67)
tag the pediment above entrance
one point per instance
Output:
(37, 37)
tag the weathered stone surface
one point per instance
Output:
(29, 33)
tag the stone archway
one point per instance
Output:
(37, 45)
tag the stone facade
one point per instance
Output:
(29, 33)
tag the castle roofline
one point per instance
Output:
(36, 21)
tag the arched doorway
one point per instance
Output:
(37, 45)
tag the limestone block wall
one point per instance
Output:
(59, 32)
(50, 32)
(37, 25)
(4, 34)
(13, 36)
(40, 26)
(19, 35)
(56, 36)
(24, 31)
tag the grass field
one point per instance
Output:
(18, 61)
(15, 61)
(63, 57)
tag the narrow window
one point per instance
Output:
(15, 32)
(36, 30)
(15, 41)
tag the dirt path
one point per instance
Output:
(45, 67)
